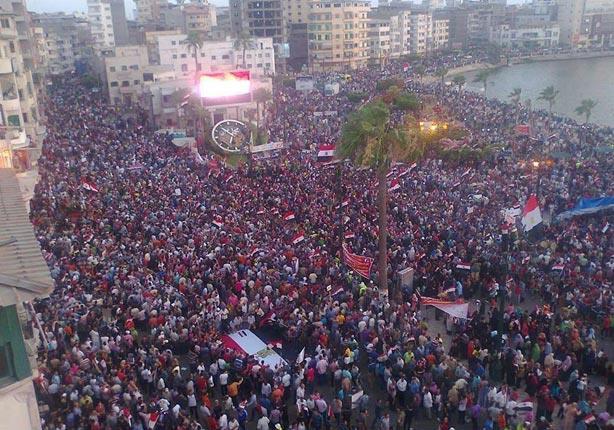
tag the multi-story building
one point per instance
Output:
(199, 18)
(108, 23)
(24, 277)
(216, 56)
(480, 19)
(379, 40)
(570, 13)
(527, 36)
(258, 18)
(64, 40)
(222, 28)
(128, 71)
(148, 11)
(598, 28)
(440, 33)
(421, 38)
(20, 113)
(338, 34)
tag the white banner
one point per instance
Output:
(273, 146)
(457, 310)
(247, 342)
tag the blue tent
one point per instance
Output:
(588, 206)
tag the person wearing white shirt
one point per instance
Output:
(263, 423)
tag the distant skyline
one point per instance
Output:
(69, 6)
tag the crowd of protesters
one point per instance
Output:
(156, 254)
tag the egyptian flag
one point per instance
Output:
(394, 185)
(218, 221)
(522, 129)
(153, 420)
(560, 267)
(463, 266)
(298, 238)
(350, 235)
(289, 216)
(405, 67)
(326, 152)
(229, 177)
(89, 186)
(531, 214)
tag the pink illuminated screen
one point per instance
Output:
(224, 84)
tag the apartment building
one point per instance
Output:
(421, 32)
(24, 277)
(127, 72)
(65, 40)
(338, 34)
(108, 23)
(199, 18)
(216, 56)
(380, 47)
(148, 11)
(440, 33)
(259, 18)
(527, 36)
(570, 13)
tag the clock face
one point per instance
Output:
(231, 135)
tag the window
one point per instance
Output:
(225, 57)
(112, 68)
(25, 117)
(13, 120)
(174, 56)
(124, 68)
(136, 82)
(259, 65)
(183, 56)
(114, 84)
(134, 67)
(173, 42)
(125, 83)
(20, 92)
(12, 47)
(14, 364)
(184, 67)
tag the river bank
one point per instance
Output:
(522, 60)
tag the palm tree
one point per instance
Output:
(243, 42)
(549, 95)
(442, 73)
(586, 108)
(459, 81)
(482, 77)
(514, 96)
(420, 70)
(369, 139)
(261, 96)
(194, 42)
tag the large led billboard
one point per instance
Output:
(224, 88)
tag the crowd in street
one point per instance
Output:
(156, 254)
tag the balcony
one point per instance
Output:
(10, 104)
(15, 137)
(6, 66)
(8, 33)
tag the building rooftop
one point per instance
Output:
(24, 274)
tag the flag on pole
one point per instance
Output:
(298, 238)
(463, 266)
(326, 152)
(153, 420)
(89, 186)
(362, 265)
(394, 185)
(301, 356)
(531, 214)
(289, 216)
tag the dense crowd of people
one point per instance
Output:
(157, 254)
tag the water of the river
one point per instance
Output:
(575, 79)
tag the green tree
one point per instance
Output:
(549, 95)
(243, 42)
(261, 97)
(586, 109)
(406, 101)
(194, 42)
(420, 70)
(459, 81)
(514, 96)
(482, 77)
(441, 74)
(369, 139)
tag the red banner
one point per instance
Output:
(522, 129)
(362, 265)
